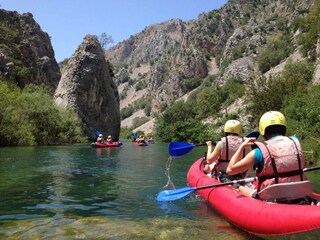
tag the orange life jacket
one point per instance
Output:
(230, 145)
(283, 161)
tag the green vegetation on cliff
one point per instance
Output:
(292, 93)
(30, 117)
(183, 120)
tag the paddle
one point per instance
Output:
(311, 169)
(177, 149)
(253, 135)
(98, 133)
(171, 195)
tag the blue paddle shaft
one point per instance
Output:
(171, 195)
(177, 149)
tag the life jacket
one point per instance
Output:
(283, 161)
(230, 145)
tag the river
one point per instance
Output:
(79, 192)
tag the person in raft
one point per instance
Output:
(279, 159)
(141, 139)
(218, 159)
(109, 140)
(100, 139)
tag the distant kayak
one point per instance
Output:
(103, 145)
(141, 144)
(150, 141)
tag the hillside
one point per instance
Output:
(81, 102)
(26, 53)
(166, 61)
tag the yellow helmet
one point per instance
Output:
(109, 136)
(271, 118)
(100, 135)
(233, 126)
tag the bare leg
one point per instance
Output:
(247, 191)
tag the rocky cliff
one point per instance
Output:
(26, 53)
(87, 87)
(167, 57)
(166, 50)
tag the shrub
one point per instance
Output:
(30, 117)
(138, 121)
(126, 112)
(179, 123)
(190, 84)
(208, 101)
(270, 94)
(126, 133)
(302, 111)
(311, 29)
(275, 52)
(123, 76)
(234, 89)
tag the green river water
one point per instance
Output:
(78, 192)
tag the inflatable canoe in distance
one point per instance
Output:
(104, 145)
(141, 144)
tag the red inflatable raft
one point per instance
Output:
(103, 145)
(141, 144)
(260, 218)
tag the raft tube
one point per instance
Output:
(141, 144)
(263, 219)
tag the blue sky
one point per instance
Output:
(68, 21)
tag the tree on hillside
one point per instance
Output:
(266, 94)
(105, 40)
(180, 123)
(310, 31)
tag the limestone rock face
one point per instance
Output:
(242, 68)
(176, 51)
(26, 53)
(86, 86)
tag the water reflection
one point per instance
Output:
(103, 152)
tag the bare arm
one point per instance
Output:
(238, 165)
(213, 155)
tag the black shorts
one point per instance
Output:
(255, 195)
